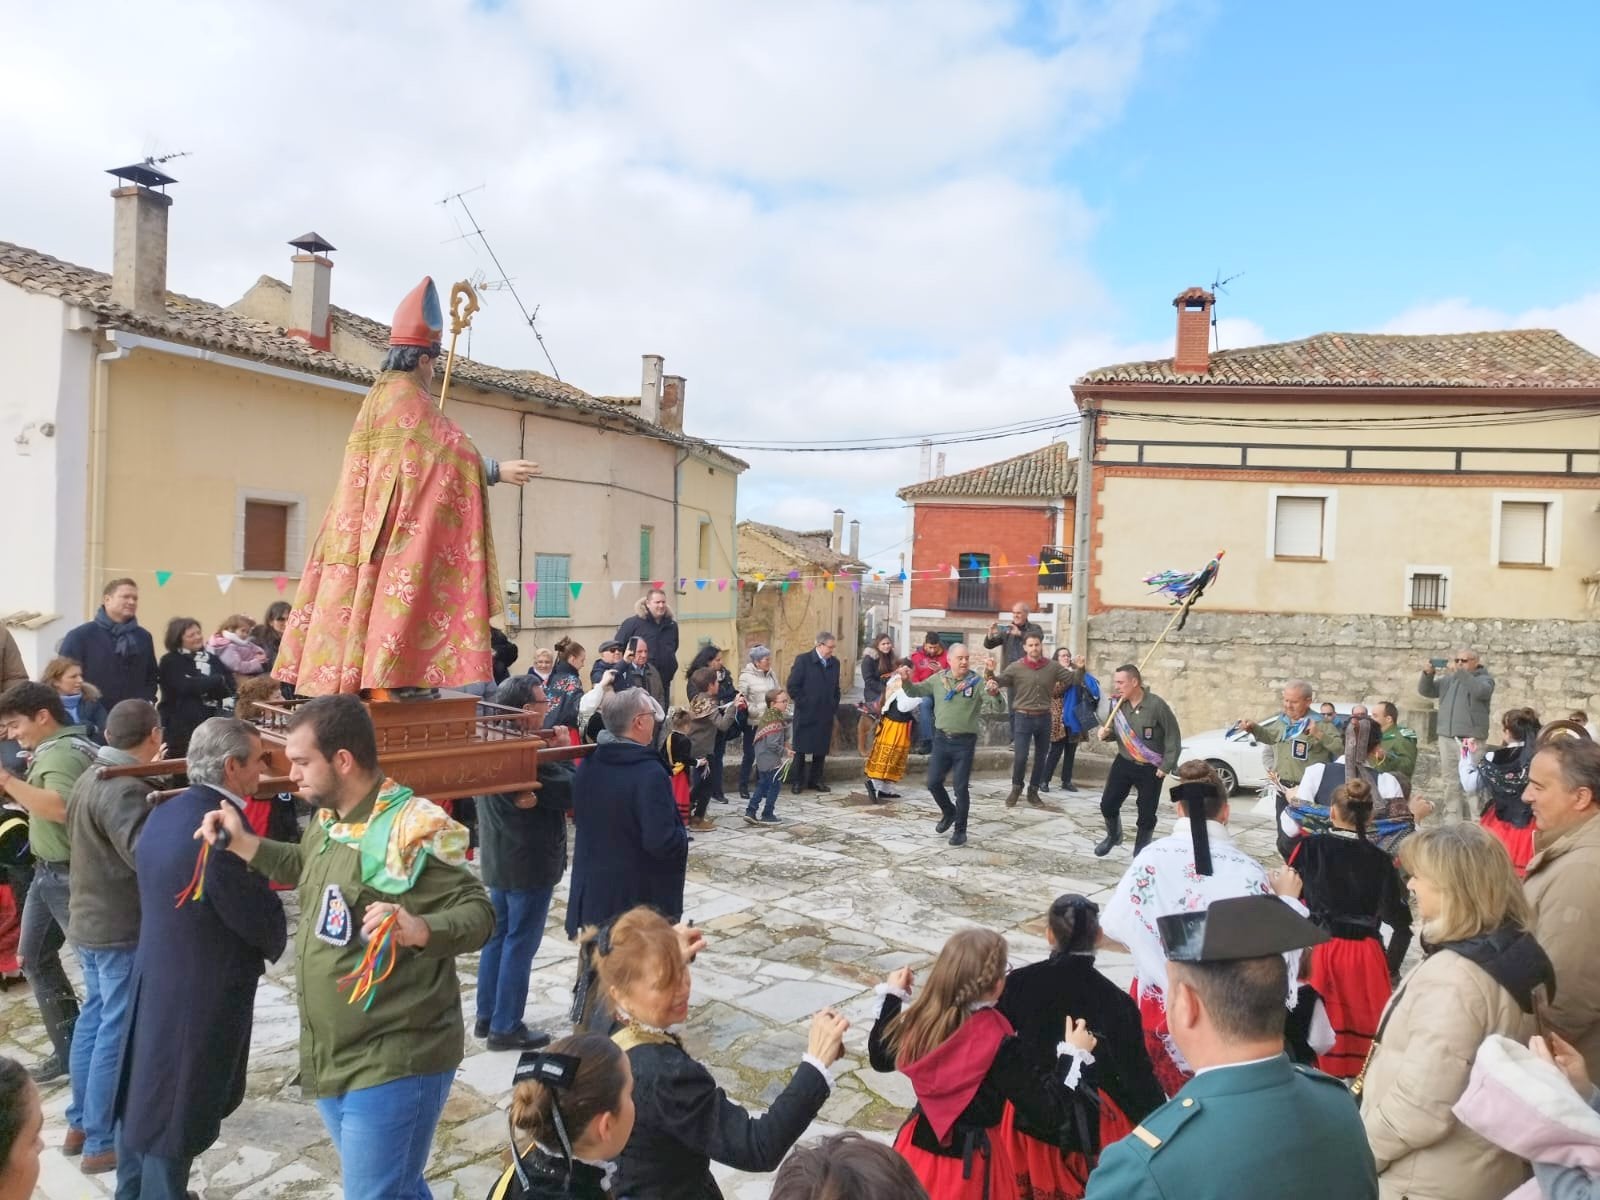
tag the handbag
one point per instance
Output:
(1086, 704)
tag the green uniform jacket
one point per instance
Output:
(414, 1024)
(1399, 753)
(1156, 725)
(1321, 743)
(959, 713)
(1258, 1129)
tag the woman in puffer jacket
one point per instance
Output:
(756, 683)
(1481, 974)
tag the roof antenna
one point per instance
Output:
(505, 281)
(1219, 284)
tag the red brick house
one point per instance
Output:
(993, 526)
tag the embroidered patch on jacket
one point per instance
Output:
(1300, 749)
(1149, 732)
(333, 917)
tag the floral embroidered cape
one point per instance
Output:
(400, 585)
(396, 836)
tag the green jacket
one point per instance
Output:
(1033, 688)
(1258, 1129)
(961, 712)
(1154, 723)
(56, 765)
(1319, 742)
(1399, 753)
(414, 1024)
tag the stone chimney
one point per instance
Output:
(672, 402)
(1193, 354)
(139, 238)
(837, 543)
(650, 388)
(855, 540)
(309, 318)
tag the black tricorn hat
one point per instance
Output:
(1236, 928)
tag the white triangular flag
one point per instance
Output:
(616, 588)
(954, 574)
(225, 582)
(760, 583)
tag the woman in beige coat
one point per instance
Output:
(1479, 975)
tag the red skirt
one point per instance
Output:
(1043, 1171)
(1352, 977)
(1153, 1017)
(942, 1178)
(1518, 842)
(680, 794)
(10, 932)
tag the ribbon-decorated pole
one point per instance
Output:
(463, 303)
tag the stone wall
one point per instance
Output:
(1226, 665)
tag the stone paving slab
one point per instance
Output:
(816, 911)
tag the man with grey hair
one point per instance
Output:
(195, 972)
(1298, 737)
(1463, 690)
(813, 689)
(104, 817)
(631, 847)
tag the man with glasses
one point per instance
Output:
(1463, 691)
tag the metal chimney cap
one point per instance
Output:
(143, 174)
(312, 243)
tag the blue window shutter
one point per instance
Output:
(551, 573)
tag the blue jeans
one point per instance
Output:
(97, 1042)
(1029, 729)
(925, 720)
(149, 1176)
(383, 1135)
(507, 957)
(767, 788)
(952, 754)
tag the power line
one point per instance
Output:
(527, 316)
(902, 441)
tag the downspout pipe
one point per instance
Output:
(99, 432)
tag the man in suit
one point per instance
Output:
(1250, 1122)
(814, 698)
(195, 973)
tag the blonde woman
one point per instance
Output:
(1482, 973)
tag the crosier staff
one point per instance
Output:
(463, 304)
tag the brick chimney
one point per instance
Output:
(139, 238)
(672, 388)
(1193, 355)
(650, 387)
(309, 318)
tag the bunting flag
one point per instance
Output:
(1033, 560)
(983, 572)
(855, 585)
(785, 585)
(794, 574)
(224, 582)
(616, 588)
(577, 586)
(1043, 571)
(162, 577)
(1003, 561)
(811, 585)
(532, 588)
(722, 585)
(761, 583)
(682, 583)
(954, 574)
(658, 585)
(281, 582)
(902, 576)
(830, 585)
(700, 585)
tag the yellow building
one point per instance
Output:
(194, 447)
(1380, 498)
(787, 619)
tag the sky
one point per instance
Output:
(842, 219)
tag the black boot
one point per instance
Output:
(60, 1014)
(1112, 839)
(872, 791)
(1141, 839)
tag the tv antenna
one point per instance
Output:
(1219, 284)
(504, 282)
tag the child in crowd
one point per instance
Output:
(771, 750)
(680, 760)
(846, 1166)
(231, 643)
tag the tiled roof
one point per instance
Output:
(775, 549)
(1048, 472)
(1508, 358)
(201, 323)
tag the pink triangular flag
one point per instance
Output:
(722, 585)
(532, 588)
(281, 582)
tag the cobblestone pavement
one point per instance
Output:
(810, 913)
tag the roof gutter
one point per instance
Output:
(124, 340)
(1356, 393)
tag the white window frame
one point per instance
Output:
(294, 552)
(1449, 589)
(1330, 520)
(1552, 529)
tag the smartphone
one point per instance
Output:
(1439, 664)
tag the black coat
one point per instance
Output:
(1039, 998)
(194, 984)
(661, 636)
(190, 696)
(631, 848)
(118, 678)
(814, 697)
(525, 849)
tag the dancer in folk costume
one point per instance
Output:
(1186, 871)
(891, 740)
(1499, 780)
(1036, 1001)
(1308, 809)
(401, 584)
(967, 1066)
(1352, 889)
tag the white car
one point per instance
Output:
(1236, 755)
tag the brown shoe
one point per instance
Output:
(702, 825)
(1034, 798)
(99, 1164)
(72, 1144)
(1015, 795)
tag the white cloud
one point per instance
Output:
(835, 219)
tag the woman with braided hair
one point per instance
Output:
(1352, 890)
(1501, 778)
(1308, 812)
(1036, 1000)
(967, 1066)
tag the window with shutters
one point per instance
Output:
(647, 537)
(1299, 526)
(1524, 533)
(269, 532)
(550, 572)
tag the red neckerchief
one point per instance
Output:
(947, 1077)
(1031, 664)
